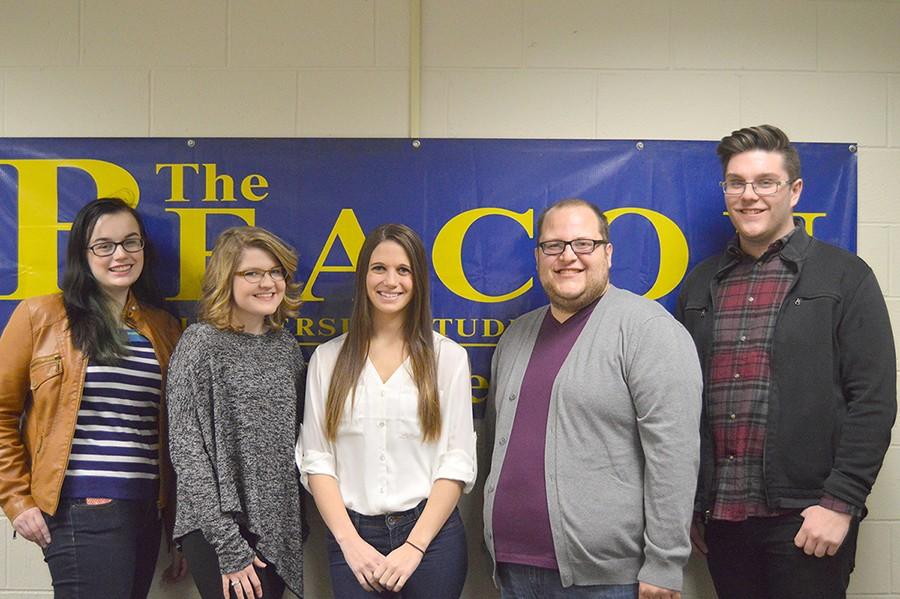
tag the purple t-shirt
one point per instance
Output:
(521, 521)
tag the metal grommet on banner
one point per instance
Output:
(191, 143)
(853, 148)
(416, 144)
(639, 145)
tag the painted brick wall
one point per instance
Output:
(665, 69)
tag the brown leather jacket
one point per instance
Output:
(41, 378)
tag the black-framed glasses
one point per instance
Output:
(255, 275)
(556, 247)
(763, 187)
(102, 249)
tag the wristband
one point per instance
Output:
(416, 547)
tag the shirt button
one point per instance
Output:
(750, 299)
(382, 458)
(491, 489)
(743, 338)
(731, 458)
(502, 440)
(732, 416)
(737, 375)
(381, 424)
(512, 397)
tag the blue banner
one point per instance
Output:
(474, 202)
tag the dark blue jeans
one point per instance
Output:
(106, 550)
(518, 581)
(757, 559)
(440, 575)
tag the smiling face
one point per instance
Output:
(389, 279)
(760, 221)
(254, 301)
(116, 274)
(571, 280)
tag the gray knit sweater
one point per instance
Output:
(233, 421)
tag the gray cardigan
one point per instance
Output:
(622, 445)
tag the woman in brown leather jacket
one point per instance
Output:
(84, 471)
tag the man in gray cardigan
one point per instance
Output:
(596, 405)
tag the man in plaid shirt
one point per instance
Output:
(800, 388)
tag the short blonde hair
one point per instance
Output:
(217, 298)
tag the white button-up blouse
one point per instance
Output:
(379, 459)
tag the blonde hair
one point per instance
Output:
(217, 298)
(417, 333)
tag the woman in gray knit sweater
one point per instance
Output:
(234, 392)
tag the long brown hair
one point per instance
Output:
(416, 331)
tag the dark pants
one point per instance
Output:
(518, 581)
(106, 550)
(203, 564)
(757, 559)
(441, 573)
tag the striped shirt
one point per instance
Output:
(115, 451)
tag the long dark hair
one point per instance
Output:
(93, 321)
(417, 332)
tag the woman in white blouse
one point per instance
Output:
(387, 445)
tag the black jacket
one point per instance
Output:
(834, 391)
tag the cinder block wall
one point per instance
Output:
(669, 69)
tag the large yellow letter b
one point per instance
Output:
(38, 213)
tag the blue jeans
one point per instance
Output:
(518, 581)
(440, 575)
(106, 550)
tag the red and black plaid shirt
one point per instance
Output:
(739, 378)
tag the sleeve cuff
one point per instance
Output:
(665, 576)
(230, 547)
(14, 507)
(236, 559)
(457, 465)
(839, 505)
(316, 462)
